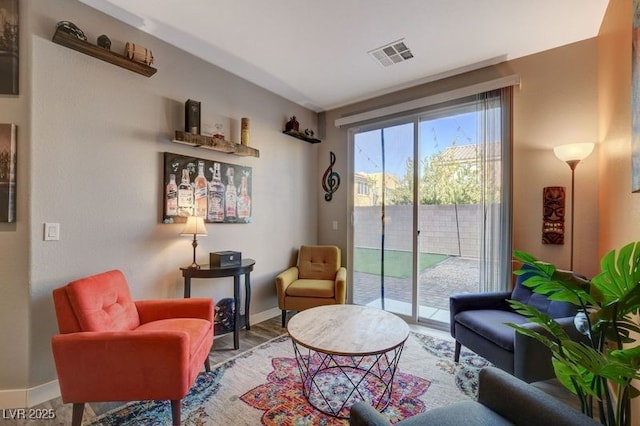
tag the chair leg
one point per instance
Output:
(76, 416)
(207, 364)
(284, 317)
(175, 411)
(456, 355)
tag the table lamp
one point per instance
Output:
(572, 154)
(195, 226)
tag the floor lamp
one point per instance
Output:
(572, 154)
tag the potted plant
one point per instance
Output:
(600, 370)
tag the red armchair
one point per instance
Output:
(111, 348)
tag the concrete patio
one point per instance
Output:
(453, 275)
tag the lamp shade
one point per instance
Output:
(194, 226)
(573, 151)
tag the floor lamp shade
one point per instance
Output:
(572, 154)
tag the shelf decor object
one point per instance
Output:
(215, 144)
(292, 128)
(67, 40)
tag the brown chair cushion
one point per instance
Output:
(311, 288)
(318, 262)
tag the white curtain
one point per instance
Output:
(495, 147)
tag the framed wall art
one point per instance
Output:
(216, 191)
(8, 163)
(8, 47)
(635, 99)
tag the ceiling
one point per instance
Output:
(315, 53)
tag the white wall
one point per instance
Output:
(97, 137)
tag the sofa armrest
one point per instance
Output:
(532, 359)
(363, 414)
(526, 405)
(474, 301)
(122, 365)
(154, 310)
(283, 280)
(341, 285)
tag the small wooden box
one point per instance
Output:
(225, 258)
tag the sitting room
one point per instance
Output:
(196, 150)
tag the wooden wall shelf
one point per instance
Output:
(215, 144)
(67, 40)
(300, 135)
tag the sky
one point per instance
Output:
(435, 136)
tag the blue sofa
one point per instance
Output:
(478, 323)
(502, 400)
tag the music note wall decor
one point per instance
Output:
(330, 179)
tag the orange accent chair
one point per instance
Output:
(111, 348)
(317, 279)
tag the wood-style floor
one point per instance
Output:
(222, 350)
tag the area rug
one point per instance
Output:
(262, 387)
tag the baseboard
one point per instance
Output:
(265, 315)
(25, 398)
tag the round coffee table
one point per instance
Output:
(346, 354)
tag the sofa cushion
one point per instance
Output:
(103, 302)
(490, 324)
(554, 309)
(311, 288)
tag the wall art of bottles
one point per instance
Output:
(216, 191)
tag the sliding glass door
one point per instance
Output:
(383, 218)
(431, 207)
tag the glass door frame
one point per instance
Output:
(351, 132)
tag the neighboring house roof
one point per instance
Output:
(466, 153)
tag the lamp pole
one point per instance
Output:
(572, 154)
(572, 164)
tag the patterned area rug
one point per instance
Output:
(262, 387)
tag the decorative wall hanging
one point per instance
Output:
(218, 192)
(9, 52)
(8, 163)
(635, 99)
(330, 179)
(553, 215)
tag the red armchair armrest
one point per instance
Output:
(154, 310)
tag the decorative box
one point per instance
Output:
(225, 258)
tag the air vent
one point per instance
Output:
(392, 53)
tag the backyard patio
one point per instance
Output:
(436, 283)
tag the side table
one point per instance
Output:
(208, 271)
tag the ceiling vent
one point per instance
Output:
(392, 53)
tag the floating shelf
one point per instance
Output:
(300, 135)
(67, 40)
(215, 144)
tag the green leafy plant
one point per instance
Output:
(600, 369)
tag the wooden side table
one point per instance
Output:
(207, 271)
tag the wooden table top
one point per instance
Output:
(348, 330)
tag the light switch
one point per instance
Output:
(335, 225)
(51, 231)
